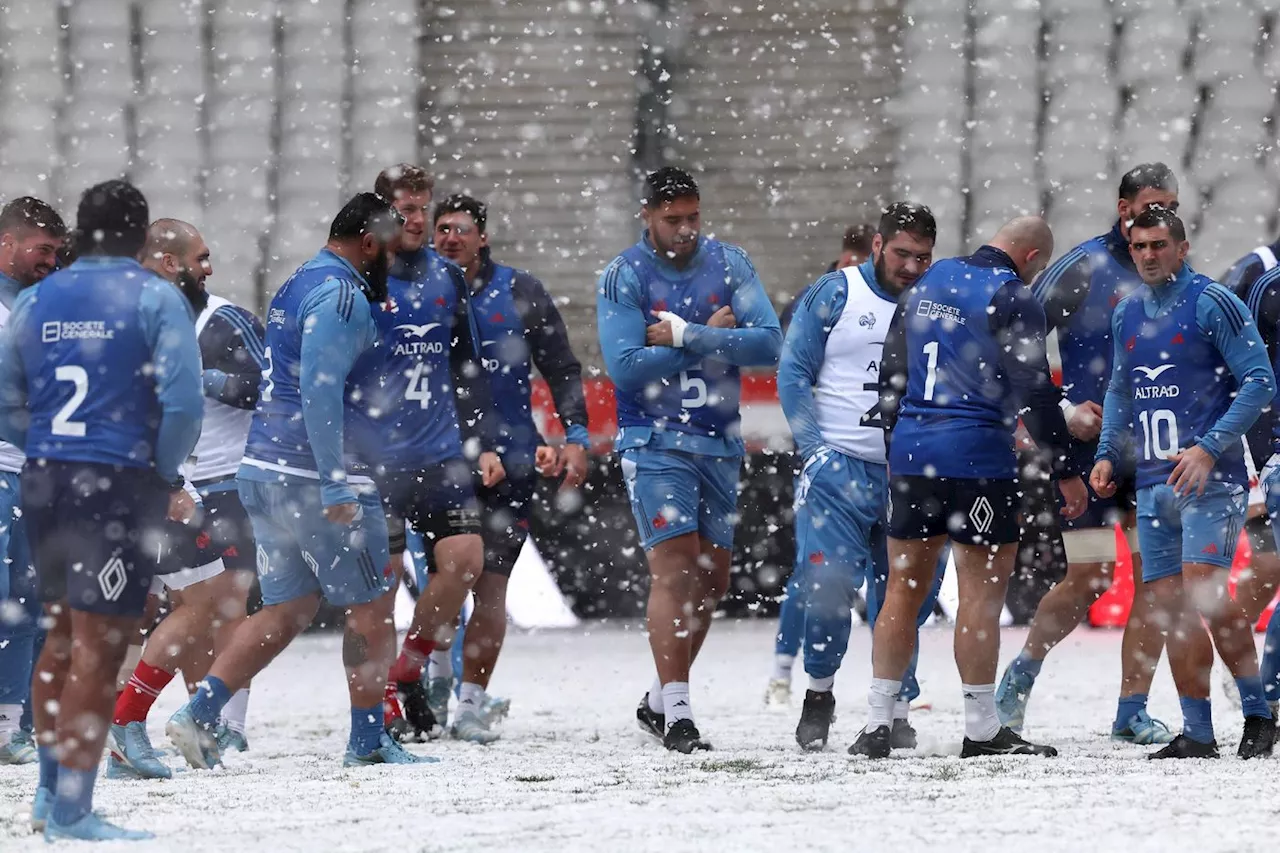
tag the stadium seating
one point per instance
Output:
(256, 118)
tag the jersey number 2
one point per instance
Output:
(62, 423)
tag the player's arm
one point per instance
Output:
(1117, 406)
(548, 339)
(621, 321)
(335, 320)
(893, 369)
(1062, 288)
(1018, 326)
(169, 328)
(1242, 275)
(757, 339)
(803, 350)
(233, 350)
(472, 393)
(1225, 320)
(14, 417)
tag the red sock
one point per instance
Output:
(391, 705)
(144, 686)
(413, 657)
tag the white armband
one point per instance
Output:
(1068, 408)
(677, 327)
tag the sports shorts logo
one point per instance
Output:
(112, 579)
(981, 514)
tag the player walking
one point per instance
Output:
(965, 355)
(319, 527)
(100, 382)
(679, 314)
(1079, 293)
(829, 387)
(1191, 374)
(520, 328)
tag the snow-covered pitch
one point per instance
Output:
(574, 773)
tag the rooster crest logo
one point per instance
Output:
(867, 320)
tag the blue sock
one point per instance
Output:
(1197, 719)
(1252, 700)
(74, 796)
(48, 769)
(366, 729)
(207, 704)
(1025, 666)
(1126, 708)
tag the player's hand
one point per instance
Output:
(1191, 473)
(723, 319)
(181, 506)
(660, 334)
(1085, 422)
(1100, 479)
(1075, 497)
(491, 471)
(344, 514)
(547, 460)
(573, 459)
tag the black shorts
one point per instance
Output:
(228, 524)
(1104, 512)
(1261, 539)
(504, 511)
(439, 501)
(971, 512)
(95, 533)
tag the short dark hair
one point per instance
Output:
(31, 213)
(1147, 176)
(112, 219)
(366, 213)
(857, 239)
(460, 203)
(1156, 217)
(403, 177)
(910, 217)
(668, 184)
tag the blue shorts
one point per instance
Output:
(18, 576)
(673, 493)
(840, 516)
(95, 532)
(1173, 529)
(300, 552)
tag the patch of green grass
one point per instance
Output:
(731, 765)
(534, 778)
(947, 773)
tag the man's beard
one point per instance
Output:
(375, 276)
(193, 289)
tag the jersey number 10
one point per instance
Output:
(1155, 445)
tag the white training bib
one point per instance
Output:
(1267, 257)
(226, 428)
(847, 393)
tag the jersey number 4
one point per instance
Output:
(419, 389)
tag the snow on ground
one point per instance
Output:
(573, 773)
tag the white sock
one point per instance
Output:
(10, 716)
(900, 709)
(821, 685)
(655, 697)
(675, 701)
(470, 698)
(782, 667)
(236, 709)
(980, 719)
(440, 664)
(881, 698)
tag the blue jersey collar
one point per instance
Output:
(334, 257)
(1118, 247)
(990, 256)
(1163, 294)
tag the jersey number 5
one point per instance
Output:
(62, 423)
(695, 385)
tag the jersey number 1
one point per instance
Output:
(931, 374)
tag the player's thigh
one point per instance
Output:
(278, 513)
(983, 571)
(504, 519)
(718, 498)
(353, 561)
(1159, 533)
(1211, 524)
(665, 489)
(838, 510)
(98, 531)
